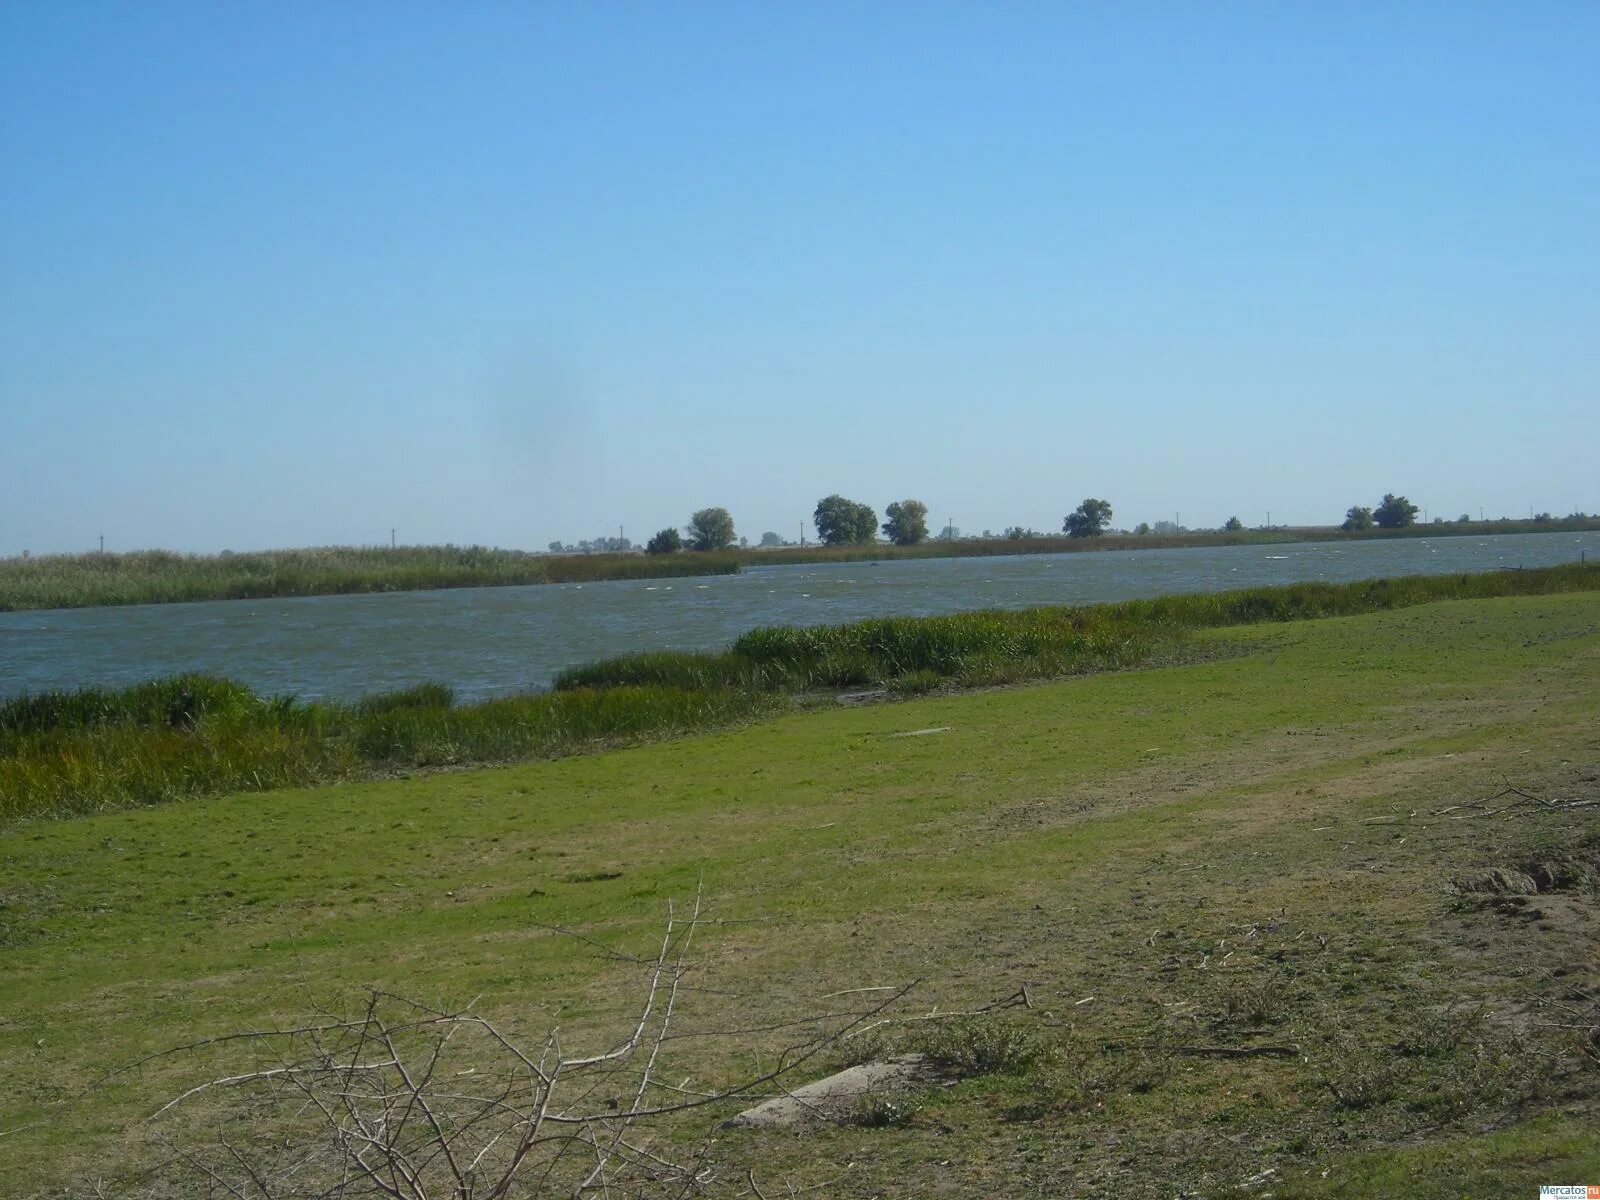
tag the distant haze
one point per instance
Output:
(281, 275)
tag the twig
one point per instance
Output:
(409, 1106)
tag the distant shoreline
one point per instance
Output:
(164, 577)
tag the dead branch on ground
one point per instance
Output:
(410, 1102)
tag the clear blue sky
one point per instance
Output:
(295, 273)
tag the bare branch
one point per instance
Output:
(410, 1101)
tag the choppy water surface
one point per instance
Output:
(486, 641)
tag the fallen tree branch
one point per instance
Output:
(1483, 807)
(1018, 999)
(408, 1101)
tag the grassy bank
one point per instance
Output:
(63, 754)
(998, 646)
(1236, 891)
(159, 576)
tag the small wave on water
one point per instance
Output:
(348, 646)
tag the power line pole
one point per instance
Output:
(102, 543)
(391, 537)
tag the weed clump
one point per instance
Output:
(984, 1045)
(1253, 1001)
(883, 1110)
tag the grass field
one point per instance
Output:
(161, 576)
(1257, 849)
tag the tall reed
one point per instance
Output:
(66, 753)
(159, 576)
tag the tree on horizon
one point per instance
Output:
(1089, 519)
(842, 522)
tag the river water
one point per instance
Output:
(488, 641)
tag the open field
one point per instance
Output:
(1188, 867)
(160, 576)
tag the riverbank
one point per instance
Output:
(163, 577)
(73, 752)
(1229, 901)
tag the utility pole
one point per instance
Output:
(1269, 518)
(391, 537)
(102, 543)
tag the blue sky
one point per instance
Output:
(297, 273)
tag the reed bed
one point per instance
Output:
(1307, 601)
(161, 577)
(962, 649)
(65, 753)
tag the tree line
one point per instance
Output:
(840, 521)
(1392, 512)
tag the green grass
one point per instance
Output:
(67, 753)
(160, 576)
(1548, 1149)
(1237, 850)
